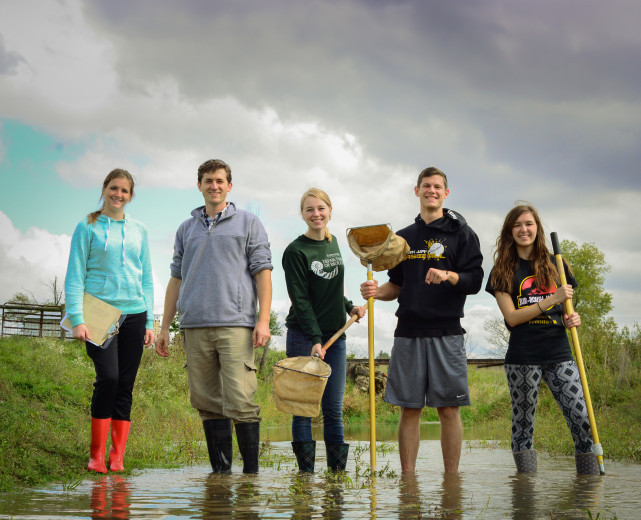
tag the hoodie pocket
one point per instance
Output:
(123, 288)
(96, 285)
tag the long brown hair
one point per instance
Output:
(321, 195)
(116, 173)
(506, 258)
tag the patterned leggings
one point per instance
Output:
(564, 382)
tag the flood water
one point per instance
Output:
(487, 487)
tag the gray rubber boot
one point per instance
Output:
(525, 461)
(337, 455)
(305, 455)
(586, 464)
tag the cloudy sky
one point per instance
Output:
(537, 101)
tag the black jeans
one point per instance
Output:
(116, 369)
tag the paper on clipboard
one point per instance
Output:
(101, 319)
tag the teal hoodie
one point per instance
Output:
(110, 260)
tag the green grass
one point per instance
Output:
(45, 399)
(46, 386)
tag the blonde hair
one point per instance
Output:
(320, 195)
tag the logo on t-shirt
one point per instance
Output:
(319, 268)
(434, 250)
(530, 294)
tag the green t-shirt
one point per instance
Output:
(315, 274)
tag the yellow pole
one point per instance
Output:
(372, 382)
(372, 500)
(597, 449)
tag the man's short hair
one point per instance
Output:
(211, 166)
(428, 172)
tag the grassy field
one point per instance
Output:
(45, 393)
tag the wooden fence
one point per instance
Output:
(478, 362)
(32, 320)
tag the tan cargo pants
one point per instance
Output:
(221, 373)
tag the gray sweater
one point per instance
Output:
(217, 269)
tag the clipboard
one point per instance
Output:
(101, 319)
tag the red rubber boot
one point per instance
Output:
(119, 435)
(99, 433)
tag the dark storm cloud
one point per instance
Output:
(546, 88)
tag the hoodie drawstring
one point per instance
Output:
(108, 229)
(124, 236)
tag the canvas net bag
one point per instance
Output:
(299, 383)
(378, 245)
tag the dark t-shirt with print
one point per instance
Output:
(314, 274)
(543, 339)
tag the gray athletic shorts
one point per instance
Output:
(428, 372)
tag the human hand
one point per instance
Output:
(358, 311)
(81, 332)
(318, 350)
(162, 343)
(149, 337)
(564, 292)
(368, 289)
(572, 320)
(436, 276)
(261, 335)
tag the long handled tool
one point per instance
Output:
(378, 248)
(372, 375)
(338, 334)
(299, 382)
(597, 449)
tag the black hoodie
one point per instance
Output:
(432, 310)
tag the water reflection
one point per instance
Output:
(409, 496)
(452, 494)
(567, 499)
(447, 503)
(487, 487)
(226, 498)
(586, 492)
(523, 496)
(333, 502)
(109, 498)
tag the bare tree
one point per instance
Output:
(55, 297)
(56, 291)
(498, 335)
(469, 345)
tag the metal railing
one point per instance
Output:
(32, 320)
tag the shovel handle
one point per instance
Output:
(338, 334)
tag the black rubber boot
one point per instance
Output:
(218, 436)
(586, 464)
(305, 455)
(337, 455)
(525, 461)
(248, 436)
